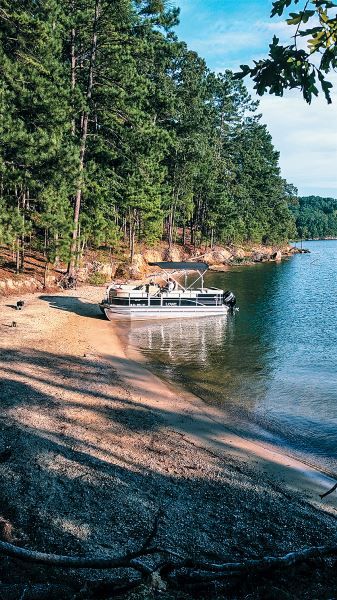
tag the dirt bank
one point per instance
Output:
(100, 266)
(94, 448)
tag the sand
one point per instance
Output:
(93, 446)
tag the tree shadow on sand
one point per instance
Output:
(75, 305)
(90, 468)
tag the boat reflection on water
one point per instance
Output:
(202, 356)
(182, 341)
(184, 351)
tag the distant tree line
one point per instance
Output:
(315, 217)
(114, 132)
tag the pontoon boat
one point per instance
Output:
(171, 301)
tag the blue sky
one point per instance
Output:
(227, 33)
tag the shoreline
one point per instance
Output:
(312, 476)
(99, 444)
(129, 362)
(299, 458)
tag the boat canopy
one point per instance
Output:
(180, 266)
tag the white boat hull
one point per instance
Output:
(141, 313)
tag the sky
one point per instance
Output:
(227, 33)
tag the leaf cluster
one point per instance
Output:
(305, 63)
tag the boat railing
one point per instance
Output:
(159, 297)
(167, 300)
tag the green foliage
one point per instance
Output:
(289, 66)
(97, 279)
(100, 100)
(316, 217)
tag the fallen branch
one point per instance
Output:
(77, 562)
(334, 487)
(199, 571)
(148, 541)
(172, 567)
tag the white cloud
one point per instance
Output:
(306, 136)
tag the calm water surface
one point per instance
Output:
(272, 365)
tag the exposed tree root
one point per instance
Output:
(173, 569)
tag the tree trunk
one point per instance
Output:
(17, 245)
(17, 255)
(79, 246)
(132, 232)
(171, 226)
(23, 240)
(45, 275)
(73, 71)
(45, 243)
(56, 245)
(84, 134)
(132, 240)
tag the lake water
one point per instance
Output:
(272, 366)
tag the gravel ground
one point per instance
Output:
(89, 464)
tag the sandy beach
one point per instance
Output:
(94, 448)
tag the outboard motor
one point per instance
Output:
(229, 299)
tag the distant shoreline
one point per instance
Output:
(324, 239)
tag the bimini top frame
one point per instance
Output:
(180, 266)
(200, 267)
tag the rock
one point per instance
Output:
(138, 267)
(276, 256)
(82, 274)
(157, 583)
(107, 269)
(174, 254)
(239, 252)
(219, 268)
(19, 285)
(258, 257)
(217, 257)
(103, 271)
(123, 271)
(152, 255)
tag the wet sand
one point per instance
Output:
(94, 446)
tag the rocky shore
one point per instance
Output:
(98, 457)
(102, 266)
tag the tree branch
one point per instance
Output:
(76, 562)
(334, 487)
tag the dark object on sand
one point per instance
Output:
(334, 487)
(68, 282)
(5, 454)
(13, 323)
(20, 304)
